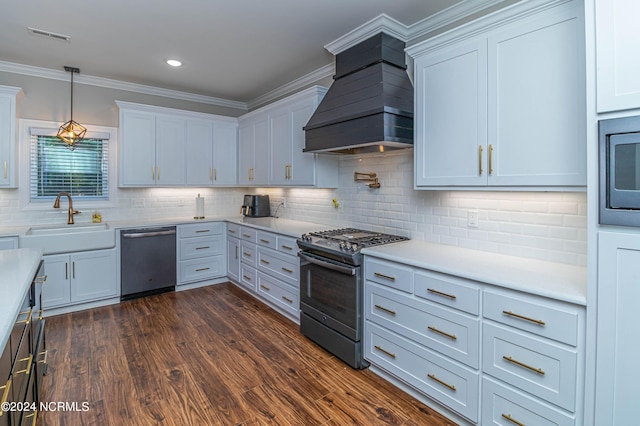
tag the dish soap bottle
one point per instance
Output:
(97, 217)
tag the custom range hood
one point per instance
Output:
(369, 106)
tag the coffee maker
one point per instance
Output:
(256, 206)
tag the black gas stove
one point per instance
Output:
(344, 244)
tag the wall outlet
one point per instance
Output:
(181, 202)
(137, 202)
(472, 218)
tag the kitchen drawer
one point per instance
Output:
(504, 406)
(248, 254)
(248, 234)
(248, 277)
(444, 330)
(448, 291)
(202, 268)
(201, 229)
(449, 383)
(267, 239)
(233, 230)
(284, 296)
(548, 318)
(544, 369)
(389, 273)
(196, 247)
(287, 245)
(281, 266)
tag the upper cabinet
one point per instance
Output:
(271, 145)
(504, 107)
(8, 136)
(617, 46)
(165, 147)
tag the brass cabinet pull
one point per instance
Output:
(439, 293)
(490, 158)
(523, 365)
(246, 278)
(231, 231)
(386, 277)
(450, 336)
(158, 172)
(512, 420)
(44, 360)
(287, 299)
(215, 174)
(522, 317)
(244, 253)
(246, 235)
(264, 241)
(480, 159)
(153, 172)
(202, 269)
(5, 169)
(286, 247)
(210, 173)
(29, 360)
(265, 287)
(202, 248)
(385, 352)
(236, 252)
(442, 382)
(5, 394)
(266, 262)
(28, 320)
(35, 417)
(41, 279)
(287, 270)
(383, 309)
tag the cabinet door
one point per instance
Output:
(280, 135)
(617, 43)
(617, 373)
(253, 151)
(233, 258)
(261, 152)
(7, 139)
(225, 153)
(199, 152)
(303, 164)
(137, 148)
(170, 150)
(56, 291)
(245, 153)
(537, 102)
(451, 115)
(93, 275)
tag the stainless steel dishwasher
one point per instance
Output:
(147, 261)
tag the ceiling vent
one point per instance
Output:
(49, 34)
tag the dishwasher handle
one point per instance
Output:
(145, 234)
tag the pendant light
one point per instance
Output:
(71, 132)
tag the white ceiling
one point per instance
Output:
(235, 49)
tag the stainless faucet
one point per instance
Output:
(56, 205)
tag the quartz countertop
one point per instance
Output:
(555, 280)
(18, 268)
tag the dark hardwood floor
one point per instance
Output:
(210, 356)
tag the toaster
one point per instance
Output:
(256, 206)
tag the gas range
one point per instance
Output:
(345, 244)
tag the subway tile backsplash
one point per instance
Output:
(543, 225)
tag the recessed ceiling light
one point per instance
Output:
(174, 62)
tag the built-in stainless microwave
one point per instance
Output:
(619, 143)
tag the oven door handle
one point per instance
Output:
(338, 268)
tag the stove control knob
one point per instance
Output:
(354, 247)
(342, 245)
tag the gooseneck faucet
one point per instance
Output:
(56, 205)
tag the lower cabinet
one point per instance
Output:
(8, 243)
(491, 355)
(201, 252)
(79, 277)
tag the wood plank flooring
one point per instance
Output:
(209, 356)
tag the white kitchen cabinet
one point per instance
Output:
(170, 150)
(8, 243)
(211, 152)
(201, 251)
(8, 136)
(283, 160)
(617, 347)
(79, 277)
(504, 107)
(617, 45)
(233, 252)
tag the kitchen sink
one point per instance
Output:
(69, 238)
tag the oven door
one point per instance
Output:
(330, 293)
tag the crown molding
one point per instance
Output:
(118, 85)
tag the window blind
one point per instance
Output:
(83, 172)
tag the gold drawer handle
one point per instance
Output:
(386, 277)
(286, 247)
(5, 394)
(205, 230)
(35, 417)
(202, 248)
(246, 278)
(246, 235)
(264, 241)
(28, 320)
(266, 262)
(287, 270)
(244, 253)
(480, 159)
(512, 420)
(435, 330)
(41, 280)
(439, 293)
(490, 159)
(442, 382)
(29, 360)
(202, 269)
(231, 231)
(523, 365)
(43, 360)
(287, 299)
(383, 309)
(535, 321)
(385, 352)
(5, 169)
(265, 287)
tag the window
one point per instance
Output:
(83, 172)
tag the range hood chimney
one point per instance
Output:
(369, 106)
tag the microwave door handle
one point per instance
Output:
(342, 269)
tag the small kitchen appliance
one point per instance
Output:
(256, 206)
(332, 289)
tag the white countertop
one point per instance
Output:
(554, 280)
(18, 268)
